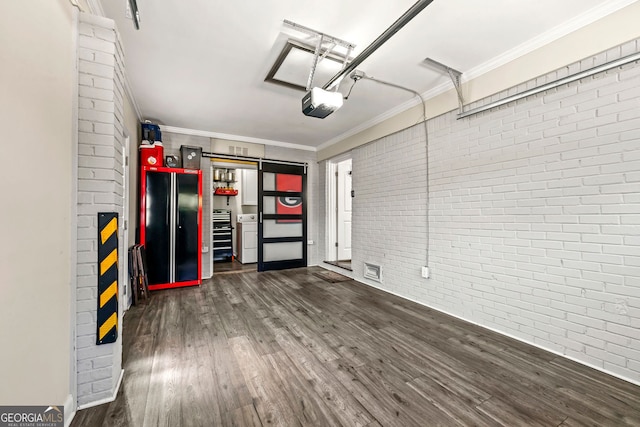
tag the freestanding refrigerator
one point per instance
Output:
(171, 225)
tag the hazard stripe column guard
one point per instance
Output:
(107, 330)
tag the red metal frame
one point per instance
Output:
(143, 212)
(223, 192)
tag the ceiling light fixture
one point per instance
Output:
(320, 103)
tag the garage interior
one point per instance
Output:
(467, 216)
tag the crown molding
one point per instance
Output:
(370, 123)
(431, 93)
(550, 36)
(547, 37)
(127, 88)
(95, 7)
(239, 138)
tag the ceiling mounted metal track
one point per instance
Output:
(382, 38)
(135, 13)
(259, 160)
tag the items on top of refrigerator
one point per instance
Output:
(152, 154)
(191, 156)
(150, 132)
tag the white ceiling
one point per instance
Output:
(201, 64)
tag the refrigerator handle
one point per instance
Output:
(172, 229)
(177, 196)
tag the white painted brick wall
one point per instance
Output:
(389, 218)
(100, 178)
(533, 216)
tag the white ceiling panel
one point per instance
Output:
(201, 64)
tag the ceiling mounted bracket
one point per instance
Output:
(314, 33)
(453, 74)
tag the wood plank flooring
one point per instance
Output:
(344, 263)
(291, 349)
(235, 266)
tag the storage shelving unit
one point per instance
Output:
(171, 225)
(221, 177)
(222, 235)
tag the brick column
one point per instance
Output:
(100, 189)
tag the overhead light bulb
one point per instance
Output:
(320, 103)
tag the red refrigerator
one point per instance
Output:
(171, 226)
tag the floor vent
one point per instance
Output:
(373, 272)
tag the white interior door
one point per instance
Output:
(344, 210)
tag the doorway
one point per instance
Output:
(339, 203)
(234, 206)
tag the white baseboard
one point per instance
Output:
(106, 399)
(69, 410)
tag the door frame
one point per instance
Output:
(219, 161)
(125, 297)
(331, 214)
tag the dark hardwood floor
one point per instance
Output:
(344, 263)
(221, 267)
(289, 348)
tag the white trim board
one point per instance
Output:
(69, 410)
(70, 403)
(95, 7)
(106, 399)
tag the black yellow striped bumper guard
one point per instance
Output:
(107, 277)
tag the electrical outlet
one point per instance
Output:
(309, 242)
(425, 272)
(205, 249)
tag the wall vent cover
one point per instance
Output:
(373, 272)
(238, 151)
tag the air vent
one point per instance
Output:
(238, 151)
(373, 272)
(237, 148)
